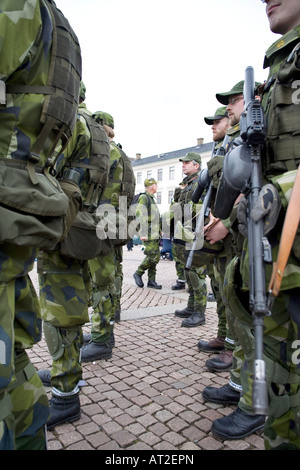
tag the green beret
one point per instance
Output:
(106, 118)
(190, 156)
(149, 182)
(219, 114)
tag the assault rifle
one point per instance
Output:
(242, 174)
(204, 183)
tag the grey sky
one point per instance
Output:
(157, 65)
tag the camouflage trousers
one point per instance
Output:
(281, 337)
(64, 299)
(119, 279)
(103, 274)
(24, 407)
(196, 281)
(152, 257)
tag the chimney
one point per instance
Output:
(138, 156)
(200, 141)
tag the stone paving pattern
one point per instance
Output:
(148, 396)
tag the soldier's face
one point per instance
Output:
(219, 128)
(235, 108)
(283, 15)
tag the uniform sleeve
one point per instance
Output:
(20, 23)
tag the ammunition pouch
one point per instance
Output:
(234, 180)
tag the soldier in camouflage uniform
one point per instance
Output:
(147, 213)
(280, 161)
(26, 51)
(65, 286)
(193, 314)
(238, 391)
(106, 271)
(216, 268)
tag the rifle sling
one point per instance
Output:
(290, 226)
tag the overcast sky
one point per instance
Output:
(157, 65)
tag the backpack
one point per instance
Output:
(34, 209)
(82, 242)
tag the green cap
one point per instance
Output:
(105, 118)
(190, 156)
(149, 182)
(219, 114)
(236, 90)
(82, 91)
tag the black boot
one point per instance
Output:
(214, 345)
(185, 313)
(154, 285)
(195, 319)
(63, 410)
(224, 395)
(237, 425)
(87, 338)
(94, 351)
(45, 376)
(179, 285)
(138, 280)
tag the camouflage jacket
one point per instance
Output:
(148, 217)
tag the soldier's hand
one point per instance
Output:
(267, 207)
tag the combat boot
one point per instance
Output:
(222, 362)
(179, 285)
(138, 280)
(63, 410)
(237, 425)
(214, 345)
(154, 285)
(196, 319)
(224, 395)
(185, 313)
(94, 351)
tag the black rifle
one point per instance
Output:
(253, 134)
(204, 183)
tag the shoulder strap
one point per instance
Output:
(290, 226)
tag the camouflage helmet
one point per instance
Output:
(105, 118)
(82, 91)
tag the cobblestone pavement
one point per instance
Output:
(148, 396)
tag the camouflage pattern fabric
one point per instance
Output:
(25, 50)
(106, 271)
(119, 279)
(64, 299)
(149, 227)
(282, 327)
(103, 275)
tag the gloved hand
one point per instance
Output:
(267, 207)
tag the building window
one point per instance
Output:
(159, 174)
(158, 198)
(149, 174)
(139, 178)
(171, 172)
(170, 196)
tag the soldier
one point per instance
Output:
(33, 34)
(216, 268)
(280, 161)
(243, 421)
(64, 279)
(193, 314)
(150, 233)
(106, 270)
